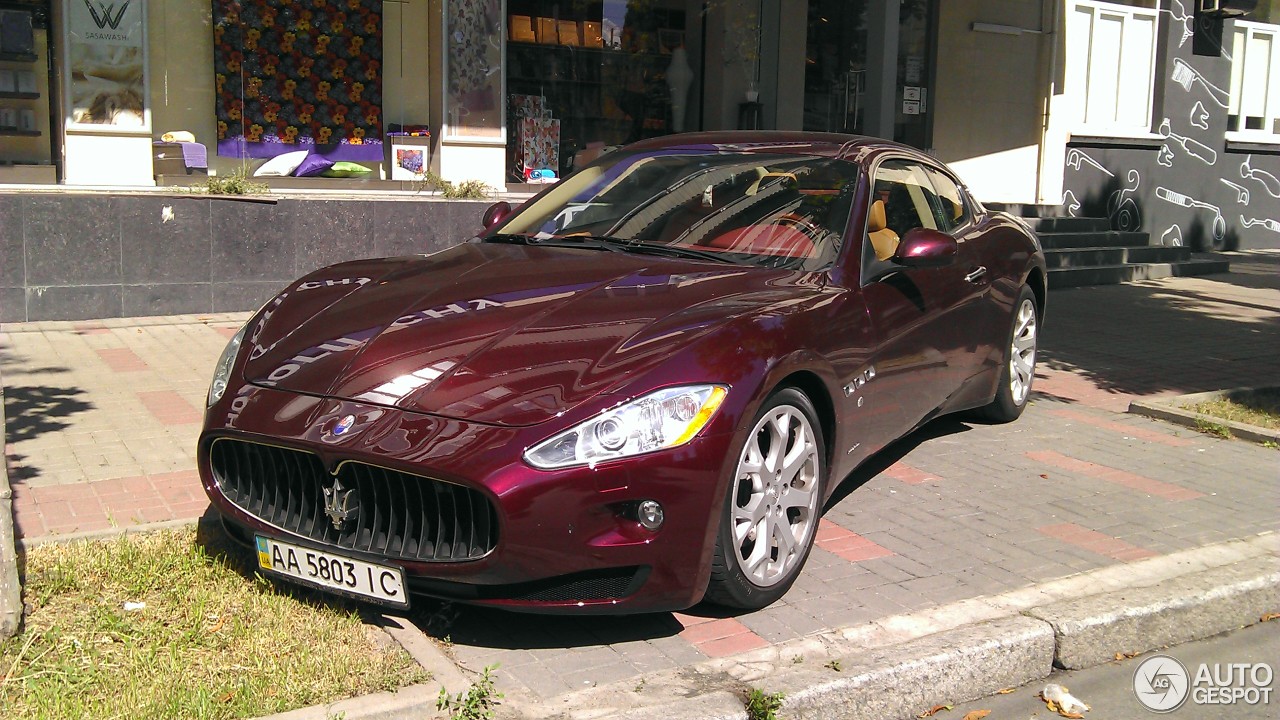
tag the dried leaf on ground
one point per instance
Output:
(933, 711)
(976, 714)
(1270, 616)
(1126, 655)
(1006, 691)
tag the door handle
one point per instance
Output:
(976, 275)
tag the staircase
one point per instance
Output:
(1086, 251)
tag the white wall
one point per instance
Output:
(990, 95)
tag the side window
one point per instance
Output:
(902, 199)
(907, 195)
(951, 204)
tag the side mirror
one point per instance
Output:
(922, 247)
(496, 213)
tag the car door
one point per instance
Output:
(976, 319)
(918, 315)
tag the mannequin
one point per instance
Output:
(679, 78)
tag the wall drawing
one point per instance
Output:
(1200, 116)
(1177, 198)
(1172, 237)
(1187, 77)
(1242, 192)
(1269, 181)
(1269, 223)
(1122, 211)
(1186, 183)
(1075, 156)
(1191, 146)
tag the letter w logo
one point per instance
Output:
(105, 19)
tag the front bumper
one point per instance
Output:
(565, 540)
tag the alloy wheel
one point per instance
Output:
(1022, 355)
(775, 496)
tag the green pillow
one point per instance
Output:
(346, 169)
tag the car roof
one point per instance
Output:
(858, 148)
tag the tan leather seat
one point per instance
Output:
(883, 240)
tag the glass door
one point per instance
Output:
(835, 66)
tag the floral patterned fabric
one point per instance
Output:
(298, 72)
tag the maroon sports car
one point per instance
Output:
(632, 393)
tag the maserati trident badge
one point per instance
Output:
(339, 504)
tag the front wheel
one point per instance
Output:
(771, 512)
(1019, 364)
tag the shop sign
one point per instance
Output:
(106, 64)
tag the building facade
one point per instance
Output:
(1159, 114)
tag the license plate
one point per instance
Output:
(332, 571)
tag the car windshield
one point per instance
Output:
(774, 210)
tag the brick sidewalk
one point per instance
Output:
(103, 417)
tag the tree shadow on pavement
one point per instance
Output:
(31, 411)
(1172, 336)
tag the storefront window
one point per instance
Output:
(837, 69)
(583, 76)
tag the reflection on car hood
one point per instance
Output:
(505, 334)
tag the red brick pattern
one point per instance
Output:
(909, 475)
(1127, 479)
(719, 637)
(227, 332)
(1096, 542)
(1129, 430)
(1066, 385)
(847, 545)
(169, 407)
(122, 360)
(119, 502)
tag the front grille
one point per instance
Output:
(608, 584)
(394, 514)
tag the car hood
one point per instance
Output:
(497, 333)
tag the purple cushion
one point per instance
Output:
(312, 165)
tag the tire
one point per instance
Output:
(770, 497)
(1019, 368)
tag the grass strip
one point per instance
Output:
(168, 625)
(1261, 409)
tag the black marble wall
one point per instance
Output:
(1187, 185)
(71, 256)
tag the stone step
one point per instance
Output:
(1103, 256)
(1068, 224)
(1109, 238)
(1115, 274)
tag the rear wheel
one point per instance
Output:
(771, 512)
(1019, 367)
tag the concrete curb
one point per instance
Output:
(10, 582)
(1171, 410)
(1090, 631)
(902, 665)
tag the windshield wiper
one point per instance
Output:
(679, 251)
(564, 241)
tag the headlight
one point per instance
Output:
(660, 420)
(222, 371)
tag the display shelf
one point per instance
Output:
(18, 57)
(19, 96)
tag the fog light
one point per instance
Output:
(650, 514)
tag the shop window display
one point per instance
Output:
(293, 73)
(585, 76)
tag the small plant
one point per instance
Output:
(1208, 427)
(797, 660)
(237, 183)
(477, 703)
(763, 707)
(467, 189)
(1271, 445)
(834, 665)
